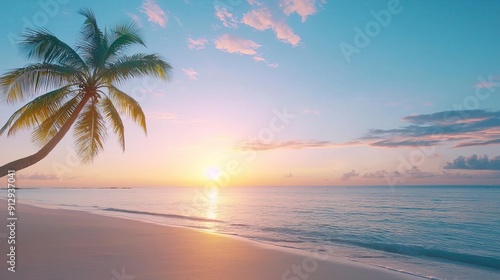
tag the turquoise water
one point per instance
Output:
(442, 232)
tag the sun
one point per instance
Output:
(213, 173)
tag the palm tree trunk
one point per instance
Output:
(45, 150)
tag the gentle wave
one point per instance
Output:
(239, 225)
(407, 272)
(172, 216)
(416, 251)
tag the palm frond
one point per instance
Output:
(115, 120)
(128, 106)
(90, 133)
(42, 45)
(121, 37)
(51, 125)
(138, 65)
(37, 111)
(21, 83)
(93, 42)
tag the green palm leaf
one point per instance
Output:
(37, 111)
(44, 46)
(113, 117)
(21, 83)
(121, 37)
(93, 42)
(90, 133)
(138, 65)
(128, 106)
(50, 126)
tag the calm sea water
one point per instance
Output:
(444, 232)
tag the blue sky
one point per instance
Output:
(372, 117)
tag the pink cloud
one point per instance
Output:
(38, 176)
(349, 175)
(197, 44)
(227, 19)
(262, 19)
(256, 145)
(304, 8)
(190, 73)
(285, 33)
(232, 44)
(155, 13)
(464, 128)
(261, 59)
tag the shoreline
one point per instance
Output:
(234, 257)
(287, 249)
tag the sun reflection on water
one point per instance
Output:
(212, 211)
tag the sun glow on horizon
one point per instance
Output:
(213, 173)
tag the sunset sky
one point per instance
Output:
(288, 93)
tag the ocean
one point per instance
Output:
(438, 232)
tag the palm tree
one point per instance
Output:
(79, 86)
